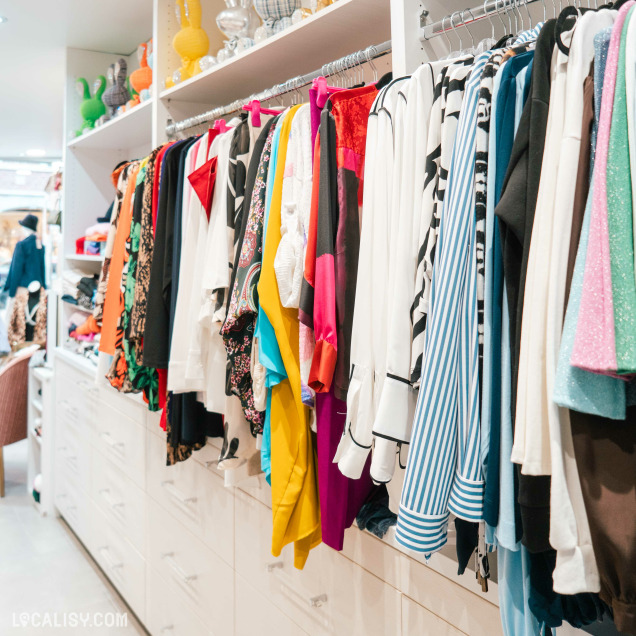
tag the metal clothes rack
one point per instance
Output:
(332, 68)
(469, 16)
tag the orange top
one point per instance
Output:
(114, 300)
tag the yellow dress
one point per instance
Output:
(295, 504)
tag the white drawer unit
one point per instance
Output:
(120, 499)
(192, 556)
(74, 504)
(202, 576)
(168, 610)
(123, 441)
(316, 597)
(254, 611)
(195, 495)
(72, 452)
(123, 565)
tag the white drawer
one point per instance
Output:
(418, 620)
(72, 452)
(120, 500)
(73, 505)
(195, 496)
(130, 404)
(203, 577)
(122, 440)
(468, 611)
(316, 597)
(123, 565)
(153, 420)
(168, 610)
(254, 612)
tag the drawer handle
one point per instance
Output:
(105, 551)
(68, 405)
(314, 601)
(104, 493)
(270, 567)
(176, 493)
(88, 386)
(107, 437)
(186, 578)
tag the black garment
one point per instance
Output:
(156, 350)
(27, 265)
(515, 212)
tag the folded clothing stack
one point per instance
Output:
(86, 288)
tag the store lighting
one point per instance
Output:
(23, 173)
(36, 152)
(3, 19)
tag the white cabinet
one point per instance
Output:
(202, 576)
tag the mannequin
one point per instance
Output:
(26, 284)
(27, 264)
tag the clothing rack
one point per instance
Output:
(469, 16)
(332, 68)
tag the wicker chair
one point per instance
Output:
(14, 381)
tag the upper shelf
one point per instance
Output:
(342, 28)
(129, 130)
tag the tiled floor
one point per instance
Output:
(44, 569)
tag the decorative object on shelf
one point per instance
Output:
(282, 24)
(146, 93)
(317, 5)
(262, 33)
(276, 16)
(117, 95)
(92, 108)
(237, 19)
(207, 62)
(300, 14)
(243, 44)
(228, 51)
(134, 96)
(191, 42)
(276, 9)
(238, 22)
(141, 79)
(37, 487)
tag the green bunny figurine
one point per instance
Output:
(92, 108)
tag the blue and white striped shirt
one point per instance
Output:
(444, 467)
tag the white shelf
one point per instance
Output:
(78, 361)
(37, 405)
(86, 258)
(129, 130)
(342, 28)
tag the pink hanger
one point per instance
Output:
(255, 108)
(323, 90)
(220, 125)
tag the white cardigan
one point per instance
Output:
(190, 226)
(396, 404)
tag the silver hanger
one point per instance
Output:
(488, 14)
(503, 24)
(472, 39)
(459, 37)
(450, 46)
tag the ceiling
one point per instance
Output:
(32, 61)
